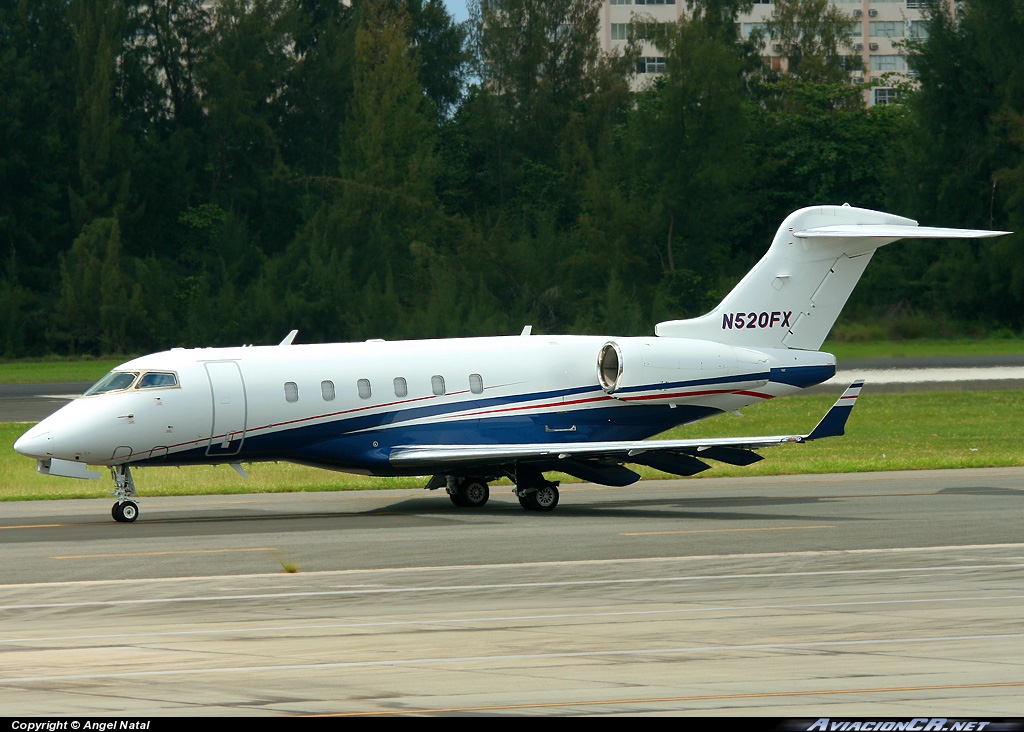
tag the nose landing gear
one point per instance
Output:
(126, 510)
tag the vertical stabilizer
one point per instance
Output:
(792, 297)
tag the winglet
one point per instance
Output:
(288, 339)
(833, 424)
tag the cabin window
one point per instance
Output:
(114, 381)
(156, 380)
(291, 391)
(476, 383)
(437, 385)
(363, 386)
(401, 387)
(327, 390)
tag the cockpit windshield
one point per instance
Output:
(114, 381)
(155, 379)
(124, 380)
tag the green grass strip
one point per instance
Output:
(923, 348)
(55, 371)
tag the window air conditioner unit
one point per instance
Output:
(873, 46)
(873, 13)
(858, 80)
(858, 13)
(777, 47)
(775, 13)
(858, 46)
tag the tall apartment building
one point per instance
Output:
(877, 26)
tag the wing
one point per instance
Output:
(601, 462)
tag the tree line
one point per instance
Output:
(174, 173)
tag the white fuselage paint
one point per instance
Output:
(230, 404)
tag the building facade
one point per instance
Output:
(877, 30)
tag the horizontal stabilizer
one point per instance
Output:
(883, 231)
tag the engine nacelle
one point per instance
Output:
(677, 370)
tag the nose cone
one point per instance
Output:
(36, 443)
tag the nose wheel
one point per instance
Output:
(125, 512)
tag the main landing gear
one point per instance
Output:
(467, 492)
(544, 498)
(126, 510)
(534, 491)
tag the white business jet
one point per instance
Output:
(472, 410)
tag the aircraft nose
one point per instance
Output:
(35, 444)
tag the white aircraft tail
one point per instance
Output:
(792, 297)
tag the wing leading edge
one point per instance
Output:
(602, 462)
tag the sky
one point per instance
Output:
(457, 8)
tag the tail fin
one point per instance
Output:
(792, 297)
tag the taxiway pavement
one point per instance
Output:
(884, 594)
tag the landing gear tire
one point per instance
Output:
(470, 493)
(474, 493)
(129, 511)
(125, 511)
(544, 498)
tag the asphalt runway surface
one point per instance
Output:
(886, 594)
(34, 402)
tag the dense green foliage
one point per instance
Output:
(174, 173)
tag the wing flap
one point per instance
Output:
(730, 455)
(595, 471)
(674, 463)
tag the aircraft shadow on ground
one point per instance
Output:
(434, 511)
(640, 508)
(981, 491)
